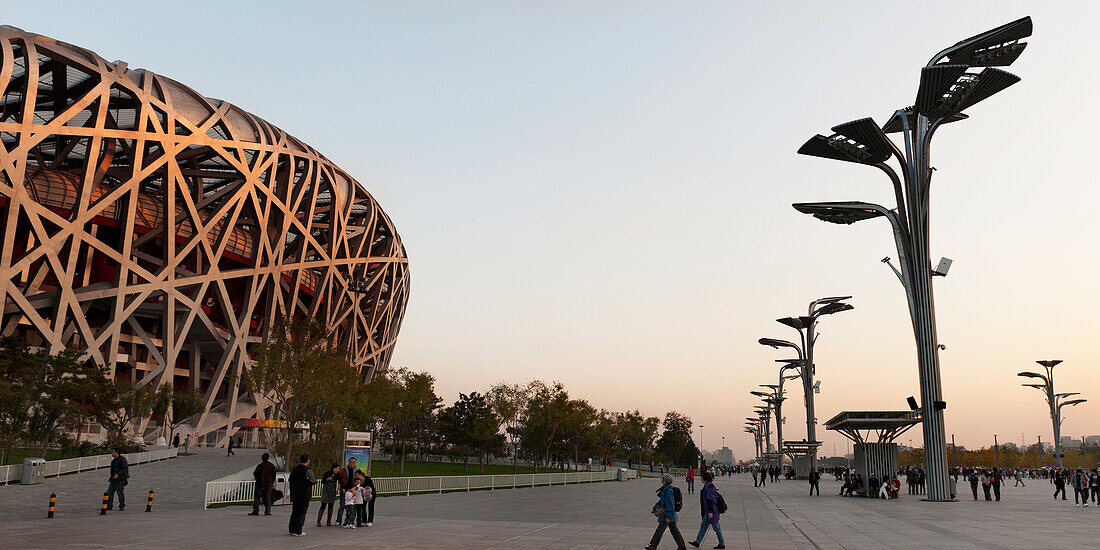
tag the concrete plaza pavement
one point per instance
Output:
(178, 484)
(1026, 517)
(609, 515)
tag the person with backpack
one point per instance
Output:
(711, 506)
(669, 501)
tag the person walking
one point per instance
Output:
(330, 493)
(710, 512)
(264, 474)
(119, 477)
(302, 481)
(1059, 480)
(186, 442)
(229, 449)
(953, 485)
(815, 480)
(176, 440)
(1080, 483)
(665, 510)
(973, 478)
(1094, 486)
(997, 482)
(690, 479)
(763, 477)
(755, 481)
(1020, 479)
(985, 479)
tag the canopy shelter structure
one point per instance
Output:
(877, 455)
(802, 454)
(885, 425)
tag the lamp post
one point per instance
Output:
(764, 412)
(699, 460)
(997, 451)
(806, 327)
(1054, 400)
(946, 89)
(1040, 452)
(356, 287)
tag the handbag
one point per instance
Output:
(276, 495)
(659, 511)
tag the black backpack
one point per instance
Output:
(678, 497)
(721, 503)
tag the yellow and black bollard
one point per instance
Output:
(149, 505)
(53, 501)
(103, 508)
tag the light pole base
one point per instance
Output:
(944, 500)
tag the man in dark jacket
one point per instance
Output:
(265, 483)
(120, 474)
(302, 481)
(814, 478)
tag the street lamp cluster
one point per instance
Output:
(1054, 400)
(802, 366)
(947, 87)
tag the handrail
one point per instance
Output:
(54, 468)
(242, 491)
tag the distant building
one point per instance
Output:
(1092, 440)
(1069, 442)
(724, 456)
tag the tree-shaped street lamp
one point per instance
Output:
(1054, 400)
(947, 87)
(806, 327)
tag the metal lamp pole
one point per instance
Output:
(997, 451)
(1054, 401)
(806, 327)
(356, 287)
(946, 89)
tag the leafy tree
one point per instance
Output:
(509, 401)
(65, 393)
(605, 435)
(547, 411)
(578, 430)
(471, 423)
(294, 368)
(413, 406)
(675, 444)
(17, 367)
(637, 433)
(128, 403)
(184, 405)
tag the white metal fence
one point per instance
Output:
(229, 492)
(14, 472)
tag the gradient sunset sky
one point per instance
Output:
(599, 192)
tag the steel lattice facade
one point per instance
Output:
(163, 231)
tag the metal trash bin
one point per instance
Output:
(34, 471)
(282, 483)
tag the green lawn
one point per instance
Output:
(16, 456)
(412, 469)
